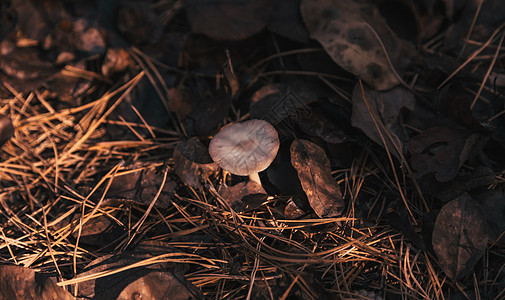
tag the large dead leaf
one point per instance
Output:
(154, 281)
(314, 171)
(460, 236)
(344, 28)
(228, 20)
(441, 150)
(22, 283)
(376, 114)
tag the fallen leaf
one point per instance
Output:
(377, 115)
(480, 177)
(244, 196)
(17, 282)
(228, 20)
(353, 34)
(154, 281)
(313, 168)
(6, 129)
(460, 236)
(440, 150)
(193, 162)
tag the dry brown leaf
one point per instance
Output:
(353, 34)
(440, 150)
(314, 171)
(460, 236)
(376, 114)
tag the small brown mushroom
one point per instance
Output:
(245, 148)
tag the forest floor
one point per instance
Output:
(388, 182)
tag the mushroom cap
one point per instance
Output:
(245, 148)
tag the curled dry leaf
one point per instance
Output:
(228, 20)
(346, 29)
(22, 283)
(6, 129)
(376, 114)
(244, 196)
(441, 150)
(193, 162)
(314, 171)
(460, 236)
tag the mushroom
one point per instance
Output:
(245, 148)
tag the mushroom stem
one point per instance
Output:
(255, 177)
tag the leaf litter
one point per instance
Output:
(388, 182)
